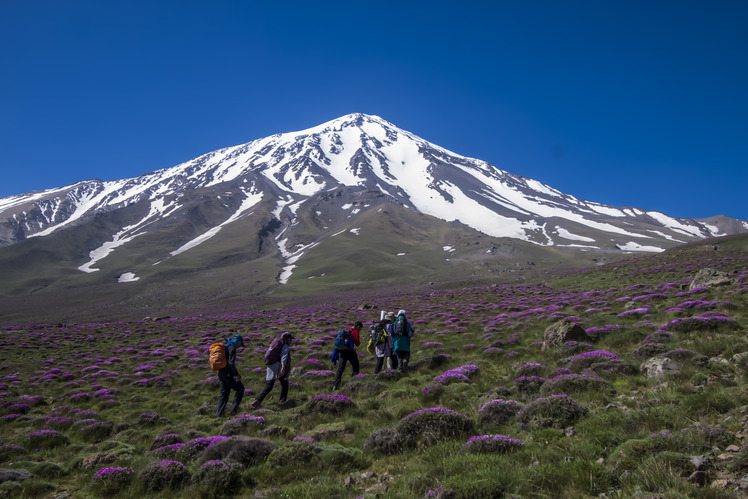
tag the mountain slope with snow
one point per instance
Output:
(289, 193)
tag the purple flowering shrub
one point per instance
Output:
(220, 478)
(384, 441)
(587, 359)
(8, 451)
(354, 388)
(162, 473)
(241, 424)
(195, 447)
(557, 411)
(239, 448)
(109, 481)
(389, 375)
(575, 383)
(96, 432)
(701, 322)
(328, 404)
(528, 384)
(498, 412)
(492, 443)
(428, 426)
(300, 450)
(168, 439)
(45, 439)
(531, 369)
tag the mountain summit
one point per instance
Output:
(277, 199)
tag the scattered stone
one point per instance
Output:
(708, 278)
(722, 483)
(700, 462)
(726, 458)
(569, 432)
(377, 489)
(732, 448)
(600, 461)
(659, 367)
(698, 477)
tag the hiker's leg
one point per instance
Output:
(341, 367)
(224, 386)
(400, 359)
(406, 359)
(354, 364)
(268, 386)
(239, 387)
(284, 389)
(378, 367)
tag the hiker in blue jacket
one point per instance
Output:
(229, 378)
(341, 357)
(277, 369)
(401, 332)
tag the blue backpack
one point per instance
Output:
(343, 339)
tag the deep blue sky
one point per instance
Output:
(629, 103)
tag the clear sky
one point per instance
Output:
(628, 103)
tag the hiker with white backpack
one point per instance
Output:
(380, 342)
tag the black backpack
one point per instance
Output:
(378, 334)
(401, 327)
(342, 340)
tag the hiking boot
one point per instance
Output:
(255, 403)
(282, 401)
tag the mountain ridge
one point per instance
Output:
(272, 202)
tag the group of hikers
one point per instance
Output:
(389, 341)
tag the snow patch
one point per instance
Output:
(632, 246)
(572, 237)
(127, 277)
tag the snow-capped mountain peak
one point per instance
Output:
(282, 177)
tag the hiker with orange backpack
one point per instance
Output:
(224, 361)
(278, 362)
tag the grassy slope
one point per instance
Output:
(635, 439)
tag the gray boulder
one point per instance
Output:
(562, 331)
(708, 278)
(659, 367)
(17, 475)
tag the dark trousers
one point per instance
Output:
(227, 383)
(345, 357)
(403, 356)
(380, 362)
(269, 386)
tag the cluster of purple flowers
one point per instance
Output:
(334, 397)
(493, 443)
(308, 440)
(113, 474)
(319, 374)
(434, 410)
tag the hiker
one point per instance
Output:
(278, 362)
(229, 378)
(401, 331)
(381, 343)
(344, 354)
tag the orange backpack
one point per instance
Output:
(217, 356)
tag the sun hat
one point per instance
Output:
(401, 312)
